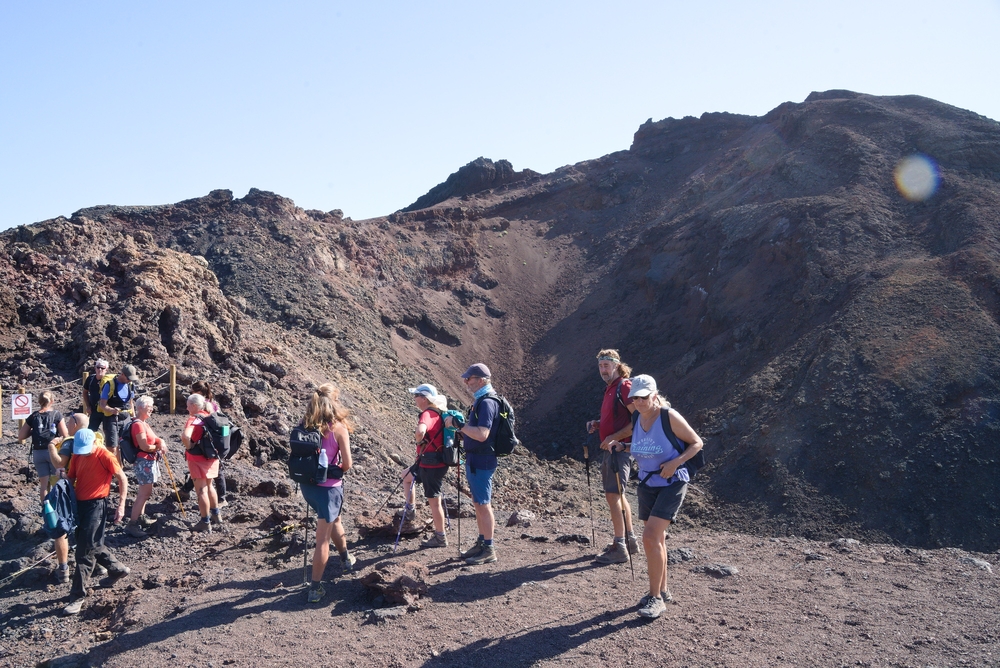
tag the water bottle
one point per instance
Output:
(323, 459)
(51, 518)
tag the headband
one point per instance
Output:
(608, 358)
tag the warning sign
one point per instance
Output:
(20, 406)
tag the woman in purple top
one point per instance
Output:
(662, 481)
(325, 414)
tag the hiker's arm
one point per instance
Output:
(475, 433)
(344, 441)
(62, 430)
(122, 493)
(87, 408)
(54, 457)
(420, 433)
(683, 431)
(624, 432)
(24, 431)
(186, 436)
(143, 443)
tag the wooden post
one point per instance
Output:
(83, 383)
(173, 389)
(20, 390)
(1, 411)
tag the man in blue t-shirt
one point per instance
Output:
(118, 404)
(479, 433)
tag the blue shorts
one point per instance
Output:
(326, 501)
(480, 484)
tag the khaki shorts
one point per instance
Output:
(624, 467)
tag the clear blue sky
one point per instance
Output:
(364, 106)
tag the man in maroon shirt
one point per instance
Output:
(615, 425)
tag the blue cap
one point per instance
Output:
(83, 442)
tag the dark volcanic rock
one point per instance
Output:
(478, 175)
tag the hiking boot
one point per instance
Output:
(145, 521)
(409, 515)
(216, 519)
(202, 527)
(633, 545)
(222, 503)
(487, 556)
(74, 607)
(99, 572)
(474, 550)
(666, 596)
(61, 575)
(133, 529)
(118, 571)
(347, 564)
(435, 541)
(316, 593)
(653, 608)
(613, 554)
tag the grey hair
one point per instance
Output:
(144, 400)
(197, 401)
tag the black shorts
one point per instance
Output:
(610, 462)
(432, 480)
(661, 502)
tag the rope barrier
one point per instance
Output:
(78, 381)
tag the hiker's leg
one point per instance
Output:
(322, 551)
(62, 549)
(409, 495)
(484, 519)
(654, 541)
(201, 492)
(616, 513)
(141, 497)
(338, 536)
(220, 483)
(88, 520)
(437, 512)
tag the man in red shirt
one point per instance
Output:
(91, 470)
(615, 425)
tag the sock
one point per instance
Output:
(409, 506)
(64, 566)
(481, 538)
(343, 555)
(488, 543)
(619, 540)
(215, 511)
(439, 534)
(205, 520)
(316, 583)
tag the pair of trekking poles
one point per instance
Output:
(444, 506)
(621, 500)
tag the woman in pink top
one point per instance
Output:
(325, 414)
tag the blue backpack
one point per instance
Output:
(62, 499)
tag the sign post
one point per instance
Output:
(20, 408)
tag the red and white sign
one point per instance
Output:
(20, 406)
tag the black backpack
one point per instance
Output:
(303, 459)
(126, 445)
(505, 440)
(216, 436)
(692, 465)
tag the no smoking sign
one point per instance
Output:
(20, 406)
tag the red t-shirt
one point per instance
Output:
(614, 416)
(435, 435)
(137, 428)
(93, 473)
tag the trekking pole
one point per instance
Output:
(174, 483)
(305, 546)
(458, 504)
(621, 504)
(402, 520)
(590, 494)
(392, 493)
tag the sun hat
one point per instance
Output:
(83, 442)
(426, 390)
(478, 370)
(642, 386)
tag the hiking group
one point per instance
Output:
(635, 423)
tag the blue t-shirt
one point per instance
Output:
(651, 449)
(123, 390)
(479, 454)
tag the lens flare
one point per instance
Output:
(916, 177)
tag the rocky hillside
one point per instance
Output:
(835, 342)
